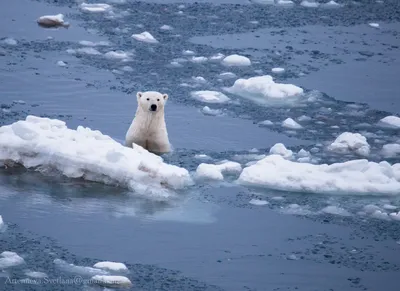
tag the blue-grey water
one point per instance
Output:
(210, 238)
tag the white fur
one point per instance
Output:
(148, 128)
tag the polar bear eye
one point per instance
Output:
(148, 99)
(158, 99)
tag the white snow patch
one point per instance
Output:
(91, 43)
(217, 57)
(58, 18)
(227, 75)
(84, 51)
(215, 171)
(10, 41)
(264, 89)
(335, 210)
(277, 70)
(213, 112)
(118, 55)
(296, 209)
(280, 149)
(61, 64)
(236, 60)
(95, 7)
(391, 150)
(188, 53)
(285, 2)
(82, 270)
(47, 145)
(332, 4)
(351, 177)
(166, 27)
(266, 122)
(389, 207)
(210, 96)
(390, 121)
(10, 259)
(258, 202)
(395, 216)
(309, 4)
(348, 142)
(202, 156)
(111, 281)
(290, 123)
(145, 37)
(111, 266)
(198, 60)
(36, 275)
(373, 24)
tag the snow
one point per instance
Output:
(97, 7)
(390, 121)
(48, 145)
(91, 43)
(210, 96)
(111, 281)
(61, 64)
(10, 259)
(391, 150)
(213, 112)
(309, 4)
(236, 60)
(202, 156)
(199, 79)
(290, 123)
(348, 142)
(198, 60)
(118, 55)
(395, 216)
(351, 177)
(264, 89)
(335, 210)
(227, 75)
(266, 122)
(258, 202)
(36, 275)
(215, 171)
(10, 41)
(188, 53)
(82, 270)
(277, 70)
(58, 18)
(166, 27)
(374, 25)
(389, 207)
(332, 4)
(285, 2)
(280, 149)
(217, 57)
(111, 266)
(145, 37)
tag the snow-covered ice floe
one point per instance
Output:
(215, 171)
(236, 60)
(52, 21)
(348, 142)
(352, 177)
(95, 7)
(47, 145)
(84, 51)
(92, 43)
(263, 89)
(81, 270)
(10, 259)
(374, 24)
(391, 150)
(390, 121)
(111, 281)
(111, 266)
(210, 96)
(145, 37)
(309, 4)
(290, 123)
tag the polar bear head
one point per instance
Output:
(151, 101)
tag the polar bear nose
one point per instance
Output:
(153, 107)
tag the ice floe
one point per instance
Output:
(351, 177)
(166, 27)
(10, 259)
(236, 60)
(111, 281)
(61, 64)
(348, 142)
(52, 21)
(91, 43)
(95, 7)
(198, 60)
(145, 37)
(35, 274)
(212, 112)
(47, 145)
(118, 55)
(258, 202)
(215, 171)
(210, 96)
(227, 75)
(374, 24)
(290, 123)
(280, 149)
(309, 4)
(10, 41)
(390, 121)
(111, 266)
(277, 70)
(391, 150)
(81, 270)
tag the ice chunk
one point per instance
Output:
(332, 4)
(296, 209)
(373, 24)
(304, 118)
(213, 112)
(188, 53)
(52, 21)
(258, 202)
(303, 154)
(280, 149)
(91, 43)
(81, 270)
(61, 64)
(202, 156)
(127, 69)
(36, 275)
(199, 79)
(210, 96)
(335, 210)
(95, 7)
(290, 123)
(390, 121)
(111, 281)
(10, 259)
(47, 144)
(264, 89)
(266, 122)
(111, 266)
(285, 2)
(350, 142)
(227, 75)
(395, 216)
(309, 4)
(389, 207)
(355, 177)
(85, 51)
(10, 41)
(277, 70)
(380, 215)
(214, 171)
(166, 27)
(217, 57)
(236, 60)
(391, 150)
(145, 37)
(118, 55)
(199, 60)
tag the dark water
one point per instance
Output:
(210, 238)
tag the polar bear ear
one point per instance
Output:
(139, 95)
(165, 96)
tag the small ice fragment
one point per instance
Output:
(280, 149)
(277, 70)
(227, 75)
(10, 259)
(236, 60)
(111, 266)
(208, 111)
(145, 37)
(258, 202)
(290, 123)
(373, 24)
(266, 122)
(210, 96)
(61, 64)
(96, 7)
(36, 275)
(188, 53)
(214, 171)
(10, 41)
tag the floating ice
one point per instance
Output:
(91, 43)
(188, 53)
(258, 202)
(199, 79)
(309, 4)
(290, 123)
(389, 207)
(280, 149)
(227, 75)
(264, 89)
(199, 59)
(217, 57)
(266, 122)
(1, 222)
(10, 41)
(84, 51)
(111, 266)
(352, 177)
(214, 171)
(236, 60)
(380, 215)
(285, 2)
(145, 37)
(111, 281)
(264, 2)
(202, 156)
(118, 55)
(277, 70)
(210, 96)
(10, 259)
(82, 270)
(373, 24)
(96, 7)
(166, 27)
(331, 4)
(391, 150)
(127, 69)
(254, 22)
(52, 20)
(213, 112)
(395, 216)
(36, 275)
(335, 210)
(296, 209)
(348, 142)
(390, 121)
(61, 64)
(47, 144)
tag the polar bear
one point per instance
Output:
(148, 128)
